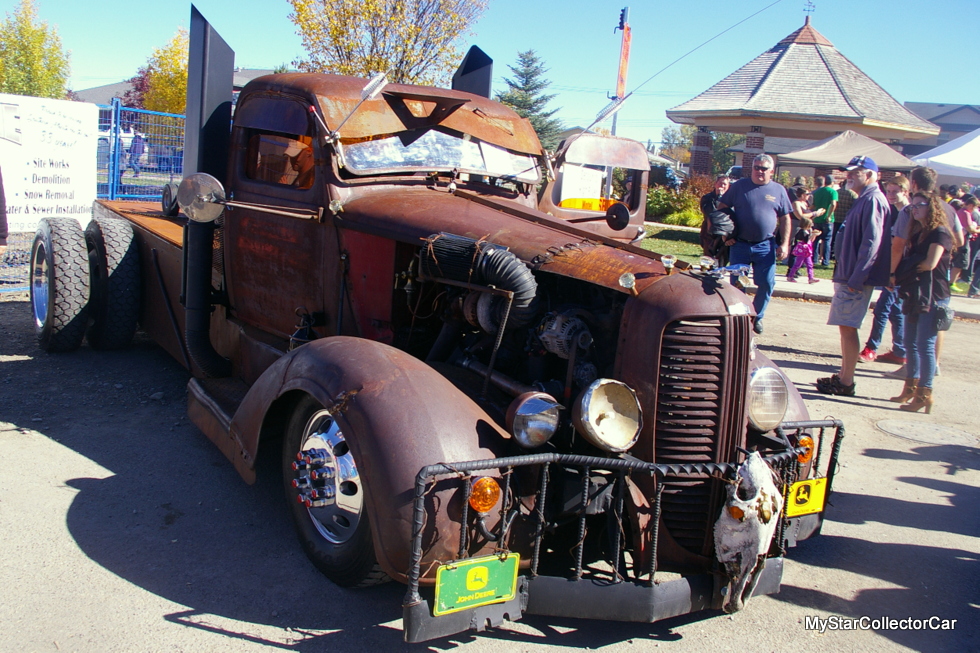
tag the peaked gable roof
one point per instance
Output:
(802, 78)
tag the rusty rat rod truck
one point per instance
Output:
(505, 412)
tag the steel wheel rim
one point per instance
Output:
(40, 291)
(337, 522)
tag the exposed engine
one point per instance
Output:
(559, 334)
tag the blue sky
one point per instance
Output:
(925, 57)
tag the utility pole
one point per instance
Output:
(624, 63)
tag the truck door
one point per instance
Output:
(275, 263)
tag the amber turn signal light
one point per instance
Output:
(484, 493)
(805, 441)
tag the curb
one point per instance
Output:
(972, 313)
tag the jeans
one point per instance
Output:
(762, 258)
(888, 309)
(967, 274)
(975, 283)
(821, 246)
(920, 331)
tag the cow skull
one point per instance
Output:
(745, 528)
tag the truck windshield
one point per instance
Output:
(435, 150)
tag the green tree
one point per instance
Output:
(166, 76)
(413, 41)
(676, 142)
(32, 61)
(525, 95)
(721, 158)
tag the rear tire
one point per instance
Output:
(59, 284)
(336, 538)
(115, 280)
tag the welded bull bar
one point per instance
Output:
(784, 461)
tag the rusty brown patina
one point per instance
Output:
(407, 308)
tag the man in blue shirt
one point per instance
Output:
(762, 215)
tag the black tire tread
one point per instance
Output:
(70, 285)
(116, 313)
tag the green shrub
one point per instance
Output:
(685, 218)
(662, 201)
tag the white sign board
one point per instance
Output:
(47, 156)
(579, 182)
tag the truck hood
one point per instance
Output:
(543, 242)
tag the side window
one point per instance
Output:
(283, 160)
(583, 187)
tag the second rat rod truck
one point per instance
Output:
(504, 411)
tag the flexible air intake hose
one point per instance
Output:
(483, 263)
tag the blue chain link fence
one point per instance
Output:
(138, 152)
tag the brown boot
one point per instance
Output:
(907, 392)
(922, 399)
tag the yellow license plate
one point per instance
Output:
(466, 584)
(806, 497)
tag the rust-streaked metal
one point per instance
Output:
(401, 107)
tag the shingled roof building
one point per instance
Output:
(800, 88)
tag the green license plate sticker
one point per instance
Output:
(466, 584)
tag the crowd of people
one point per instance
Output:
(913, 240)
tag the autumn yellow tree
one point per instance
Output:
(32, 61)
(413, 41)
(166, 76)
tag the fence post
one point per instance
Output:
(114, 143)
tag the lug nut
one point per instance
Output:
(301, 482)
(324, 473)
(323, 493)
(302, 497)
(316, 457)
(320, 503)
(298, 465)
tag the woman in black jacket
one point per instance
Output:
(923, 277)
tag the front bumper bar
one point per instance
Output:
(611, 599)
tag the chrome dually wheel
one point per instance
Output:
(326, 495)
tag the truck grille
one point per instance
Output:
(700, 418)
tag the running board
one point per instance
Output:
(211, 403)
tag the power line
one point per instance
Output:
(683, 56)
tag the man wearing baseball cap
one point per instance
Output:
(863, 262)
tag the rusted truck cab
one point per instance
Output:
(499, 407)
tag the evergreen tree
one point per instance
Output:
(32, 61)
(525, 95)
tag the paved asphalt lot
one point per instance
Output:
(122, 528)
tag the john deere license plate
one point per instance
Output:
(806, 497)
(471, 583)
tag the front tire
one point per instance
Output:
(334, 532)
(59, 284)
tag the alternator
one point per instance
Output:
(559, 333)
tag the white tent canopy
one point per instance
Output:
(837, 151)
(958, 158)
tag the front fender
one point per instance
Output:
(399, 415)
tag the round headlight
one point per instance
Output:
(608, 414)
(768, 398)
(533, 418)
